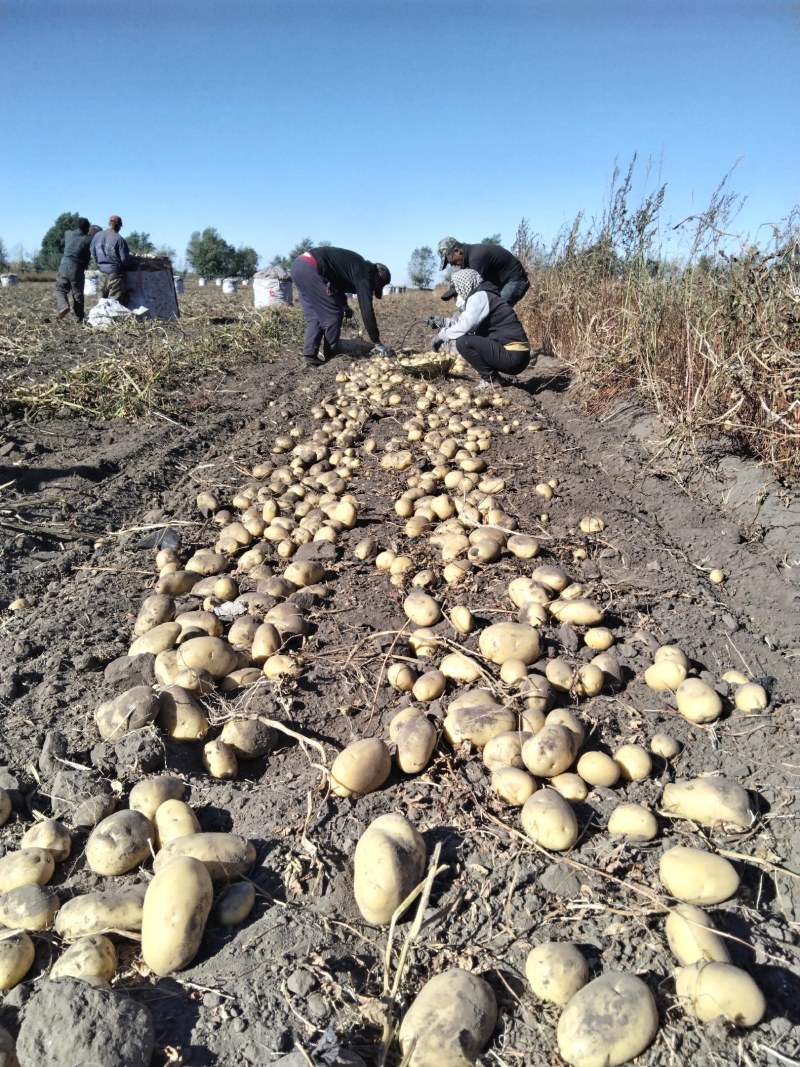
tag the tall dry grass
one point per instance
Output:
(711, 340)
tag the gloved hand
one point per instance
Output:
(379, 350)
(435, 322)
(348, 311)
(437, 343)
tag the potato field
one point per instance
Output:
(357, 716)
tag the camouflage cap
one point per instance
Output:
(446, 246)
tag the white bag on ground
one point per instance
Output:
(107, 312)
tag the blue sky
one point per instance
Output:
(383, 125)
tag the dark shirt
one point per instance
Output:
(349, 273)
(76, 249)
(494, 264)
(111, 251)
(501, 323)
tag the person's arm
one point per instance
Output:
(364, 294)
(124, 252)
(475, 311)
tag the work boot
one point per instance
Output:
(62, 314)
(313, 361)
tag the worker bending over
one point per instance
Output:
(494, 263)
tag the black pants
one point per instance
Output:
(323, 308)
(70, 280)
(488, 356)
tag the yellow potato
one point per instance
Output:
(235, 904)
(556, 970)
(158, 639)
(92, 956)
(473, 718)
(634, 762)
(416, 742)
(665, 676)
(111, 911)
(135, 708)
(16, 958)
(155, 610)
(550, 751)
(751, 697)
(226, 856)
(632, 821)
(422, 609)
(176, 908)
(697, 701)
(577, 611)
(119, 843)
(389, 862)
(149, 794)
(460, 668)
(548, 819)
(27, 866)
(692, 936)
(665, 746)
(429, 686)
(711, 801)
(250, 738)
(571, 787)
(513, 785)
(505, 750)
(29, 907)
(510, 640)
(608, 1022)
(49, 834)
(209, 653)
(174, 818)
(361, 767)
(598, 769)
(180, 715)
(449, 1022)
(720, 990)
(697, 877)
(219, 760)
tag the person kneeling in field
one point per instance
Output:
(486, 331)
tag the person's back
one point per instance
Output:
(76, 247)
(110, 250)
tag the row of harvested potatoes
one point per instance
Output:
(246, 623)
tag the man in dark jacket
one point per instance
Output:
(112, 255)
(486, 331)
(72, 269)
(323, 278)
(494, 263)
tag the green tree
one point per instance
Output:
(49, 255)
(244, 262)
(422, 267)
(495, 239)
(165, 252)
(299, 248)
(140, 243)
(208, 254)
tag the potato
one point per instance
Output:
(158, 639)
(416, 742)
(697, 877)
(714, 990)
(751, 697)
(166, 668)
(176, 584)
(422, 609)
(219, 760)
(304, 572)
(209, 653)
(429, 686)
(176, 908)
(522, 546)
(180, 715)
(110, 911)
(449, 1022)
(589, 680)
(550, 751)
(598, 769)
(131, 710)
(577, 611)
(693, 937)
(608, 1022)
(632, 821)
(389, 862)
(510, 640)
(198, 623)
(240, 679)
(571, 787)
(49, 834)
(92, 956)
(672, 654)
(559, 674)
(235, 904)
(711, 801)
(250, 738)
(360, 768)
(665, 676)
(548, 819)
(29, 907)
(16, 957)
(400, 676)
(462, 619)
(226, 856)
(599, 638)
(27, 866)
(174, 818)
(460, 668)
(412, 711)
(155, 610)
(424, 642)
(665, 746)
(288, 620)
(149, 794)
(206, 563)
(697, 701)
(119, 843)
(282, 666)
(513, 785)
(537, 693)
(474, 718)
(505, 750)
(634, 762)
(611, 668)
(556, 970)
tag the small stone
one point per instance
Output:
(301, 983)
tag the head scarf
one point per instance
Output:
(465, 282)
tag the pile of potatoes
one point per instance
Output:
(696, 700)
(193, 871)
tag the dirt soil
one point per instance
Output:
(302, 980)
